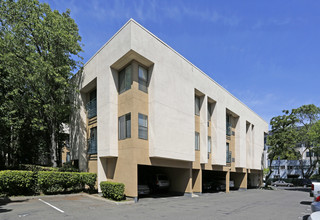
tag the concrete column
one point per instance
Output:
(261, 179)
(197, 181)
(228, 181)
(243, 184)
(102, 171)
(189, 185)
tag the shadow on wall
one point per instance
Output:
(77, 125)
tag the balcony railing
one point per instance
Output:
(228, 129)
(92, 146)
(229, 156)
(92, 108)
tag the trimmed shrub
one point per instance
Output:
(68, 167)
(89, 179)
(16, 182)
(31, 167)
(112, 190)
(54, 182)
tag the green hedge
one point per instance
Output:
(48, 182)
(16, 182)
(89, 179)
(52, 182)
(112, 190)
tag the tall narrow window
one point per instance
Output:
(197, 105)
(143, 79)
(143, 126)
(92, 149)
(209, 111)
(125, 126)
(209, 146)
(228, 125)
(197, 141)
(125, 79)
(91, 106)
(228, 154)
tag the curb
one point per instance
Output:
(98, 197)
(93, 196)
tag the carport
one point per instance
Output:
(179, 178)
(211, 176)
(254, 180)
(239, 179)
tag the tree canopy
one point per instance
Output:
(39, 49)
(295, 133)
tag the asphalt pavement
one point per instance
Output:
(282, 203)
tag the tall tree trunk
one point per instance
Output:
(54, 146)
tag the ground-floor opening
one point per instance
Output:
(239, 180)
(213, 181)
(157, 181)
(254, 180)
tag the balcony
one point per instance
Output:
(92, 108)
(228, 129)
(92, 146)
(229, 156)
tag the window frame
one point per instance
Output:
(197, 141)
(126, 120)
(209, 111)
(140, 135)
(93, 137)
(197, 101)
(127, 78)
(143, 88)
(209, 144)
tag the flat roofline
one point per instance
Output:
(146, 30)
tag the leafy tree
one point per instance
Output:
(39, 48)
(291, 131)
(307, 117)
(281, 138)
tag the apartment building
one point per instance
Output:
(143, 108)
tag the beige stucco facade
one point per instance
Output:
(169, 104)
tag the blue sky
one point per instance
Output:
(266, 53)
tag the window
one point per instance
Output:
(125, 126)
(125, 79)
(197, 105)
(197, 139)
(143, 79)
(143, 126)
(282, 167)
(209, 111)
(228, 125)
(91, 106)
(68, 157)
(92, 142)
(228, 153)
(209, 146)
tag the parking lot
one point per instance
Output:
(283, 203)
